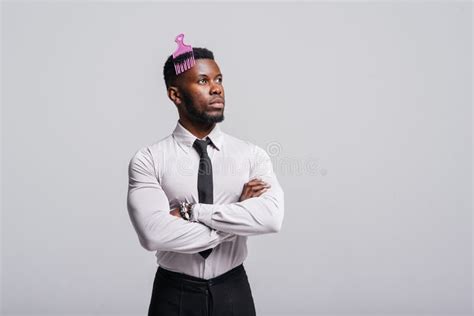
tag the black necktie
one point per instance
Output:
(205, 186)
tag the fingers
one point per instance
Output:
(256, 187)
(259, 192)
(257, 184)
(259, 187)
(249, 185)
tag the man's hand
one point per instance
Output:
(253, 188)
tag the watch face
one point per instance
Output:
(184, 210)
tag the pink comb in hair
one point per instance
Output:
(183, 57)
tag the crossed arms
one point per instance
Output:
(257, 212)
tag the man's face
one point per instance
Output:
(202, 92)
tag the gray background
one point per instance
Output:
(365, 108)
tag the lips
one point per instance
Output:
(217, 103)
(217, 106)
(218, 100)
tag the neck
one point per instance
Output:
(200, 130)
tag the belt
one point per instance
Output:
(235, 272)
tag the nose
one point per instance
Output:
(216, 89)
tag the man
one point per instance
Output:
(195, 196)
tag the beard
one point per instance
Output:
(200, 116)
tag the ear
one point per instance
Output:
(174, 95)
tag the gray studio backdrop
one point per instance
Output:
(364, 107)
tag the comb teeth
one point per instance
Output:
(183, 65)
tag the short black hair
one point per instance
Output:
(169, 73)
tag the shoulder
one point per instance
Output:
(254, 151)
(150, 154)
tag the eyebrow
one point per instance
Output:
(204, 75)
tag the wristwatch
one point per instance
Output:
(185, 210)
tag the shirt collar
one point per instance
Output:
(186, 139)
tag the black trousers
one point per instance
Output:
(176, 294)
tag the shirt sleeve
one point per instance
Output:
(258, 215)
(148, 208)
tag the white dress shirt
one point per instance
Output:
(166, 172)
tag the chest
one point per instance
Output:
(179, 177)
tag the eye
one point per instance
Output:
(201, 81)
(219, 79)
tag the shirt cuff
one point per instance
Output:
(202, 213)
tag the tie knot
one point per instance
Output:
(201, 145)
